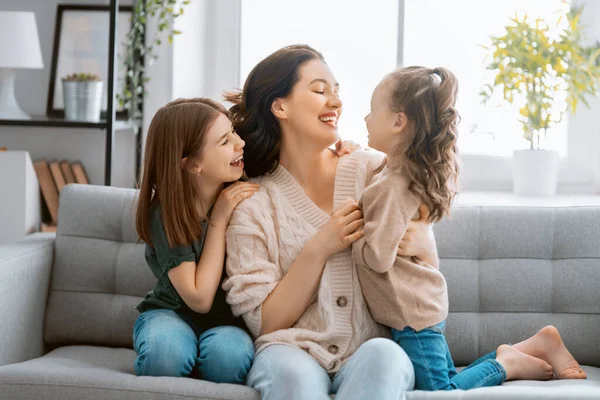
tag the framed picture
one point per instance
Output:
(81, 39)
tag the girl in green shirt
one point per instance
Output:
(192, 167)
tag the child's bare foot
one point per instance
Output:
(520, 366)
(548, 345)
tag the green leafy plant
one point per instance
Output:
(535, 70)
(140, 52)
(81, 77)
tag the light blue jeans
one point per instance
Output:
(379, 369)
(167, 345)
(434, 368)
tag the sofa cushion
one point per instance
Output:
(510, 271)
(587, 389)
(85, 372)
(513, 270)
(99, 272)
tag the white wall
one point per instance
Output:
(202, 62)
(31, 91)
(206, 56)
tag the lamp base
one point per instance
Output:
(9, 108)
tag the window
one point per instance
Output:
(358, 39)
(362, 41)
(451, 34)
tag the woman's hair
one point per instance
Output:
(272, 78)
(427, 97)
(177, 130)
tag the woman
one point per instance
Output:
(291, 275)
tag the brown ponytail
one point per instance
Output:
(428, 98)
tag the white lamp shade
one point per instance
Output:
(19, 40)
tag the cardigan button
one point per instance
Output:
(333, 349)
(342, 301)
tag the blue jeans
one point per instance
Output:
(434, 368)
(167, 345)
(379, 369)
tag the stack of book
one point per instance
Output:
(53, 176)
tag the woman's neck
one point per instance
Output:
(307, 163)
(314, 169)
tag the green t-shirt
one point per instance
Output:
(161, 259)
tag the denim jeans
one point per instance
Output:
(379, 369)
(434, 368)
(167, 345)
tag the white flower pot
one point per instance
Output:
(82, 100)
(535, 172)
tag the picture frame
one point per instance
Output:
(81, 36)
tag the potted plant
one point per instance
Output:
(545, 76)
(82, 97)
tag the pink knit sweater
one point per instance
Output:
(400, 291)
(267, 232)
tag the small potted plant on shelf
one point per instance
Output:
(545, 75)
(82, 97)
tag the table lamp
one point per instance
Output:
(19, 48)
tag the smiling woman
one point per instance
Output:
(291, 274)
(262, 130)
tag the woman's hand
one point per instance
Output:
(343, 228)
(228, 199)
(345, 147)
(418, 241)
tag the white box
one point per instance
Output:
(20, 201)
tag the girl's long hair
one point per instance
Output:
(177, 130)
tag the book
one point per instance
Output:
(48, 187)
(65, 167)
(79, 173)
(57, 174)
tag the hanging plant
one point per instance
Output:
(140, 53)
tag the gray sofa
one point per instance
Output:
(66, 301)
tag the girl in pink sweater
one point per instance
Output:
(414, 121)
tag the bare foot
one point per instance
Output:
(520, 366)
(548, 345)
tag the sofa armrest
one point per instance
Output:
(25, 269)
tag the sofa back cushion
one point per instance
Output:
(513, 270)
(99, 273)
(510, 271)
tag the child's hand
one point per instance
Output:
(228, 199)
(418, 241)
(345, 147)
(343, 228)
